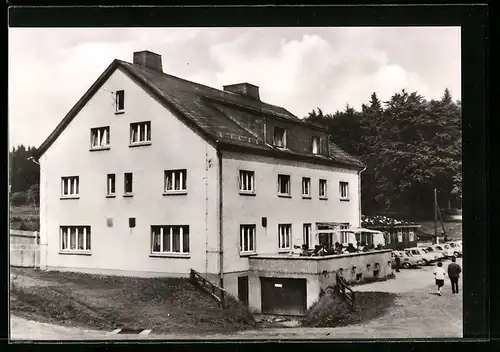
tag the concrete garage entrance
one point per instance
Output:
(283, 296)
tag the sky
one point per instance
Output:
(299, 69)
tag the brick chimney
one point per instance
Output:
(245, 89)
(148, 60)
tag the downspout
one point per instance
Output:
(359, 193)
(221, 247)
(265, 130)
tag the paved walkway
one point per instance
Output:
(417, 313)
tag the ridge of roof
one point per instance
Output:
(228, 94)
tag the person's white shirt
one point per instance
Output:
(439, 273)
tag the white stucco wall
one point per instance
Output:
(173, 146)
(241, 209)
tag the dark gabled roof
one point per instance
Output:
(201, 107)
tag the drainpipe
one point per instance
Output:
(221, 247)
(265, 130)
(359, 192)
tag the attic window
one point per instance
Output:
(316, 145)
(279, 137)
(120, 101)
(140, 133)
(99, 138)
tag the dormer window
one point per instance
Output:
(316, 145)
(279, 137)
(120, 101)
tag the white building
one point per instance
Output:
(153, 175)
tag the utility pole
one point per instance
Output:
(435, 216)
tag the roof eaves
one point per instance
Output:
(272, 152)
(75, 109)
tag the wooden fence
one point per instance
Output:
(24, 248)
(346, 292)
(215, 291)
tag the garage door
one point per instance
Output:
(283, 296)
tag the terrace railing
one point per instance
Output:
(215, 291)
(347, 293)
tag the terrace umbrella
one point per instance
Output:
(378, 236)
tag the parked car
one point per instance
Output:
(407, 261)
(444, 249)
(420, 253)
(457, 248)
(438, 255)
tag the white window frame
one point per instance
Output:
(82, 232)
(280, 142)
(411, 236)
(289, 194)
(306, 184)
(316, 145)
(73, 186)
(119, 96)
(110, 184)
(400, 236)
(306, 234)
(344, 185)
(246, 182)
(344, 235)
(170, 177)
(125, 193)
(100, 138)
(166, 235)
(140, 128)
(323, 191)
(248, 238)
(284, 237)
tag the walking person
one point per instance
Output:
(439, 274)
(398, 262)
(454, 271)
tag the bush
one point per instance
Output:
(330, 311)
(18, 199)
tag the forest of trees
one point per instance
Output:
(410, 146)
(24, 176)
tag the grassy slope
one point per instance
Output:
(453, 229)
(105, 302)
(332, 311)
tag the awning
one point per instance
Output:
(351, 229)
(378, 236)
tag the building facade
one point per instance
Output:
(152, 175)
(398, 234)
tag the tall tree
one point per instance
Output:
(23, 173)
(409, 145)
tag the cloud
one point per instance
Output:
(297, 68)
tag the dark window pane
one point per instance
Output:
(185, 244)
(72, 238)
(251, 234)
(88, 238)
(177, 241)
(166, 239)
(64, 238)
(120, 99)
(184, 179)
